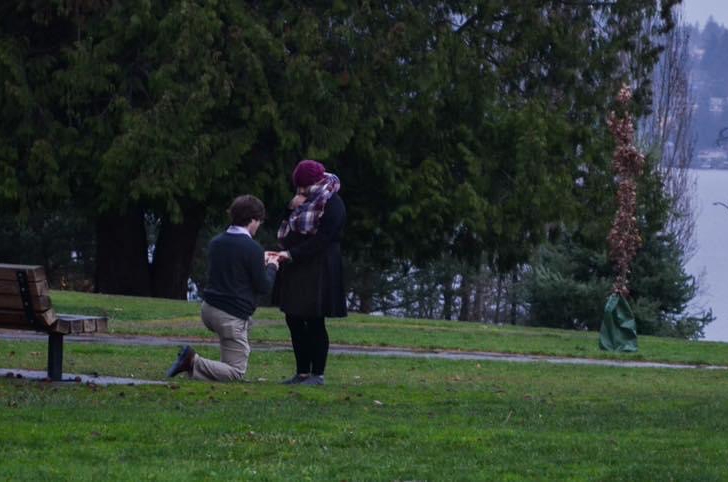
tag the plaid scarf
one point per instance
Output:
(305, 218)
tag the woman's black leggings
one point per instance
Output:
(310, 343)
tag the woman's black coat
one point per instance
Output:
(312, 284)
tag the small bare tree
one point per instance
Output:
(667, 133)
(624, 237)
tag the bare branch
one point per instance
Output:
(667, 133)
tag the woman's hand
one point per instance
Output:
(297, 200)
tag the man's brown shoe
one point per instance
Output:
(184, 361)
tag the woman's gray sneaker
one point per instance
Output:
(296, 379)
(314, 380)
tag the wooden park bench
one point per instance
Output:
(25, 304)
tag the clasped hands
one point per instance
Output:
(276, 257)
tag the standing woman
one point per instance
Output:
(310, 286)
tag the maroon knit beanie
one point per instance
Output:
(308, 172)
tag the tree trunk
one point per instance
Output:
(498, 296)
(447, 296)
(465, 289)
(121, 254)
(476, 313)
(173, 253)
(366, 290)
(512, 295)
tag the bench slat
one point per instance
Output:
(14, 302)
(34, 272)
(56, 323)
(17, 317)
(76, 324)
(37, 288)
(102, 325)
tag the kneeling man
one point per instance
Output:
(238, 272)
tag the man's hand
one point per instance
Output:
(271, 257)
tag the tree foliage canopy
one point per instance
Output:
(456, 127)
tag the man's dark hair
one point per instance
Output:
(246, 208)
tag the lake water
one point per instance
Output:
(710, 263)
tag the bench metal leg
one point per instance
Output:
(55, 356)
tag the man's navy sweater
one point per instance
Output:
(236, 274)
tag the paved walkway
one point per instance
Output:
(74, 378)
(336, 349)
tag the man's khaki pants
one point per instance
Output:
(234, 347)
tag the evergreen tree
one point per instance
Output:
(571, 276)
(456, 127)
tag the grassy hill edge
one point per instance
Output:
(161, 317)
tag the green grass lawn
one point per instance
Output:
(376, 419)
